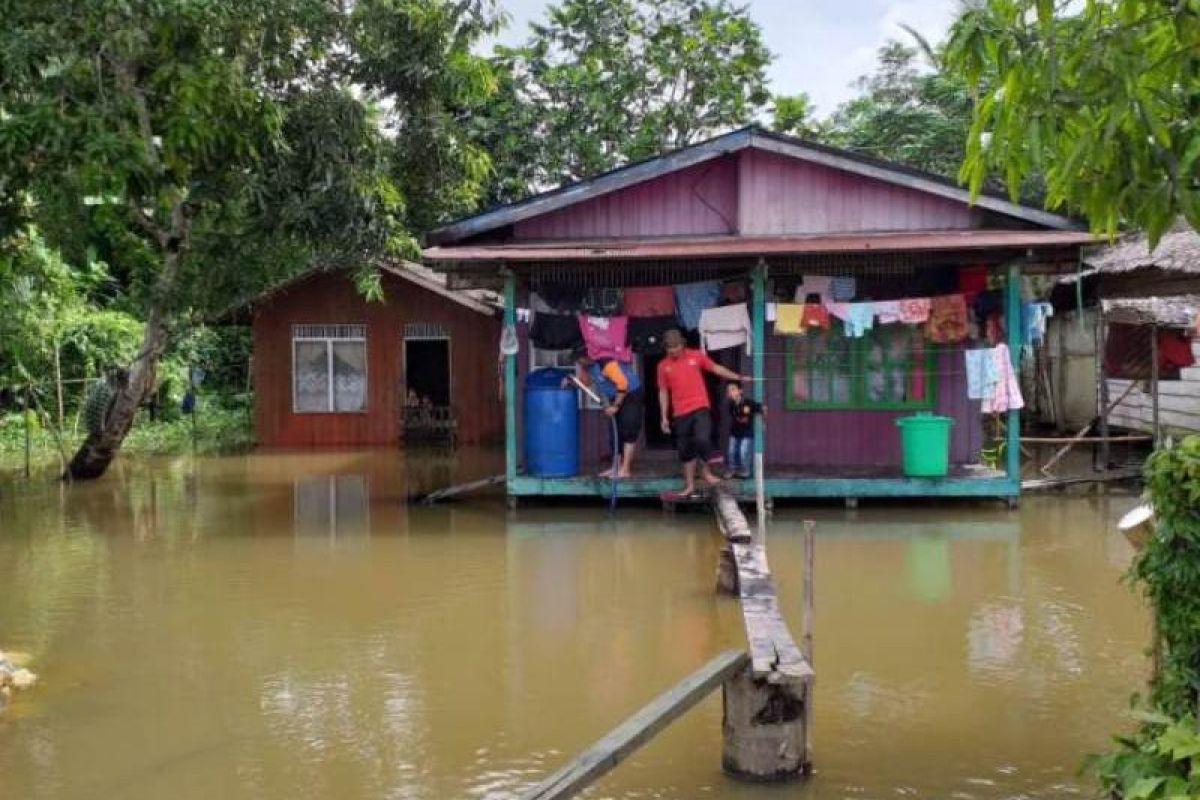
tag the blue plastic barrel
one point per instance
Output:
(551, 425)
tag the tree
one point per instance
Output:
(795, 114)
(907, 112)
(604, 82)
(1102, 97)
(191, 136)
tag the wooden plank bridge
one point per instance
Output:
(767, 691)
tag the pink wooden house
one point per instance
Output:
(769, 212)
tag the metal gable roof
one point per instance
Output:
(734, 141)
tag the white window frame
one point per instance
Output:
(329, 334)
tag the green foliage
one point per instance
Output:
(1161, 761)
(223, 426)
(794, 114)
(913, 113)
(604, 82)
(246, 136)
(1168, 571)
(1101, 97)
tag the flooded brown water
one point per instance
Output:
(283, 626)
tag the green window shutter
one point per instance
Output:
(892, 368)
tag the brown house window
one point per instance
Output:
(329, 369)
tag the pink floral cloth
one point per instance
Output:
(606, 337)
(1007, 396)
(914, 310)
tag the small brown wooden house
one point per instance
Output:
(332, 368)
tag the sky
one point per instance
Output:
(820, 46)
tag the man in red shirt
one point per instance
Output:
(681, 389)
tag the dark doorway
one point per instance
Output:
(427, 369)
(655, 438)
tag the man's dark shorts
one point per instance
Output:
(630, 417)
(693, 434)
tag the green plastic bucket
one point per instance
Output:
(925, 445)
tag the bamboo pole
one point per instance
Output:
(1101, 346)
(1154, 381)
(1104, 437)
(810, 546)
(25, 419)
(58, 383)
(760, 502)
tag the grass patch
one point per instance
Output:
(219, 430)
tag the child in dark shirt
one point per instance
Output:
(741, 433)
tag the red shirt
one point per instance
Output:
(683, 378)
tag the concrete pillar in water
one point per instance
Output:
(763, 729)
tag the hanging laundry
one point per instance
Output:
(787, 319)
(1033, 319)
(510, 345)
(987, 303)
(1174, 350)
(770, 312)
(539, 306)
(947, 319)
(887, 311)
(814, 315)
(606, 337)
(860, 319)
(914, 310)
(692, 298)
(993, 328)
(972, 280)
(649, 301)
(838, 310)
(1007, 396)
(524, 315)
(981, 373)
(814, 284)
(602, 302)
(843, 289)
(733, 292)
(726, 326)
(561, 297)
(646, 333)
(555, 331)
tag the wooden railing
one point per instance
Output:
(429, 424)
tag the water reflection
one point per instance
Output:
(285, 626)
(332, 506)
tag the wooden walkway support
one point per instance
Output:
(766, 716)
(634, 732)
(456, 490)
(767, 693)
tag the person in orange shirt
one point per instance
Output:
(621, 390)
(682, 391)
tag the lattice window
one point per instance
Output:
(425, 330)
(329, 368)
(891, 368)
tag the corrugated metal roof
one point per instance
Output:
(733, 141)
(731, 246)
(482, 301)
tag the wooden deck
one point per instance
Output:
(785, 482)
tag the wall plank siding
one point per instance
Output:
(331, 299)
(780, 195)
(698, 200)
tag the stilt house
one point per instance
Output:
(777, 223)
